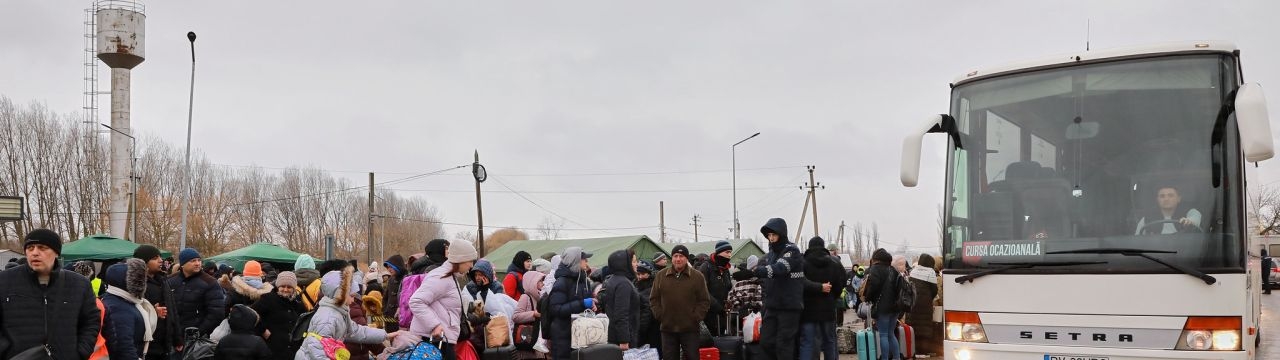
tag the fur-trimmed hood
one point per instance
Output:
(243, 288)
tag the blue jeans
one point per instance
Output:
(887, 330)
(815, 334)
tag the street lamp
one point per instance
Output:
(133, 183)
(186, 174)
(737, 228)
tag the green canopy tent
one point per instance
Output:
(261, 252)
(742, 249)
(600, 248)
(101, 248)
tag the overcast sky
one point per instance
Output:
(581, 88)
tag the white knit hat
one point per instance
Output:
(461, 251)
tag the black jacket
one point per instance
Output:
(621, 300)
(566, 299)
(66, 308)
(882, 288)
(645, 321)
(155, 294)
(782, 273)
(195, 301)
(278, 316)
(719, 282)
(818, 269)
(242, 343)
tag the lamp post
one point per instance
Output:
(737, 228)
(133, 183)
(186, 174)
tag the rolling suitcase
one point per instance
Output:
(867, 344)
(730, 345)
(906, 340)
(597, 352)
(501, 353)
(709, 354)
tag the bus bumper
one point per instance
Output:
(983, 351)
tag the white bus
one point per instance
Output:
(1095, 206)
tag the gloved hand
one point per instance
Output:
(588, 302)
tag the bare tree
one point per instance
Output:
(1264, 210)
(59, 167)
(549, 228)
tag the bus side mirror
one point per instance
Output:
(910, 167)
(1253, 124)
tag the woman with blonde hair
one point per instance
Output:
(437, 304)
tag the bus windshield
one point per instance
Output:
(1119, 154)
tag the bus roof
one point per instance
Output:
(1095, 55)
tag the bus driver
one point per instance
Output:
(1172, 216)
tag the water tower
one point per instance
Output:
(120, 46)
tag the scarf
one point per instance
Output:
(924, 274)
(145, 308)
(254, 281)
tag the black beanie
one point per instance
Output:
(44, 237)
(680, 249)
(146, 252)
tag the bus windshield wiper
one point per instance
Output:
(1021, 265)
(1208, 279)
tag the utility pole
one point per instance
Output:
(840, 237)
(370, 231)
(696, 219)
(662, 221)
(813, 197)
(804, 211)
(480, 174)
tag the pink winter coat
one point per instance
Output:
(437, 303)
(525, 308)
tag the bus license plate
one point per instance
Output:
(1074, 357)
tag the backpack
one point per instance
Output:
(301, 325)
(544, 322)
(906, 295)
(408, 286)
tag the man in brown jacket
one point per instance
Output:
(680, 301)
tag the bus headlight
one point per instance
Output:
(974, 333)
(1197, 340)
(1221, 333)
(955, 331)
(964, 326)
(1226, 339)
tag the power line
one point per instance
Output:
(504, 184)
(529, 228)
(297, 197)
(655, 172)
(596, 191)
(669, 172)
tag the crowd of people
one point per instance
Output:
(146, 308)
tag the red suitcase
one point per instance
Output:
(709, 354)
(906, 340)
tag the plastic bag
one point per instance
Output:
(641, 353)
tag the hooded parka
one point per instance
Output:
(621, 300)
